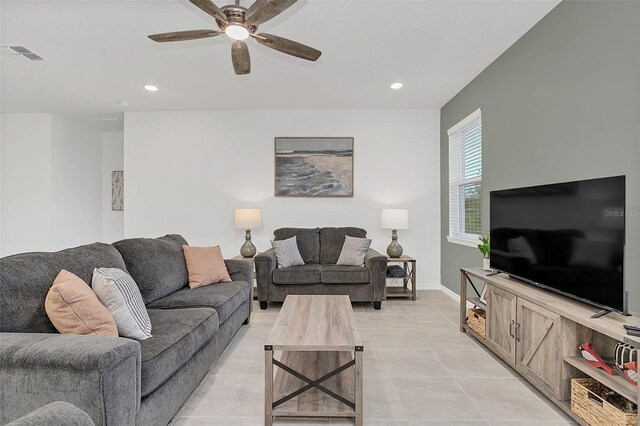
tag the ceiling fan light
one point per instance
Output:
(236, 32)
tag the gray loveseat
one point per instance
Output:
(320, 249)
(116, 381)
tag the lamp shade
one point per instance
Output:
(248, 218)
(395, 219)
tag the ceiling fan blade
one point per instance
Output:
(289, 47)
(240, 58)
(209, 7)
(183, 35)
(263, 10)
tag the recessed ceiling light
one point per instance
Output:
(151, 88)
(397, 85)
(123, 104)
(236, 32)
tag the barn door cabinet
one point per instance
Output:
(526, 336)
(537, 333)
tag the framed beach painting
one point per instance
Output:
(314, 167)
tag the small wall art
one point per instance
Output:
(117, 191)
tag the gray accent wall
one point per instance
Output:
(561, 104)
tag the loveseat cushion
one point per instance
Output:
(303, 274)
(340, 274)
(332, 240)
(308, 240)
(177, 335)
(157, 265)
(225, 298)
(25, 280)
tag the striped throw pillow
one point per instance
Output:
(120, 295)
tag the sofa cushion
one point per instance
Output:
(340, 274)
(308, 240)
(25, 280)
(303, 274)
(225, 298)
(57, 413)
(332, 240)
(177, 335)
(157, 265)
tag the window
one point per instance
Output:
(465, 180)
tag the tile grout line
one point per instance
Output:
(404, 408)
(462, 389)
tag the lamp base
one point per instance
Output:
(248, 249)
(394, 249)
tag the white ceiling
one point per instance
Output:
(97, 54)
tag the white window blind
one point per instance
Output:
(465, 180)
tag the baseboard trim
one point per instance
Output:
(453, 295)
(428, 286)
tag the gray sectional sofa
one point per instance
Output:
(116, 381)
(320, 249)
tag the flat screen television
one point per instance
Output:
(565, 237)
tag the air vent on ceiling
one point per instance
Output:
(23, 51)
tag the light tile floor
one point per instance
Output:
(419, 370)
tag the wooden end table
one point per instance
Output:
(409, 266)
(253, 278)
(319, 370)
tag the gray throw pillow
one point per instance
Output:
(287, 252)
(353, 251)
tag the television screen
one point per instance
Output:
(567, 237)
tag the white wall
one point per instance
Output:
(51, 183)
(112, 160)
(187, 171)
(76, 182)
(26, 183)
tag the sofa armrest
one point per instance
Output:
(98, 374)
(240, 269)
(266, 263)
(377, 265)
(55, 414)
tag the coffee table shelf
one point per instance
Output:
(314, 403)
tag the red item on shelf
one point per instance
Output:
(593, 359)
(630, 371)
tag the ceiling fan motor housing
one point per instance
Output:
(235, 16)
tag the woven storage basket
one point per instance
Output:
(587, 403)
(477, 321)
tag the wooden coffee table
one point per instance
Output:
(317, 353)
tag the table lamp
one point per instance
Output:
(248, 219)
(394, 219)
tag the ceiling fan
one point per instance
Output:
(240, 23)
